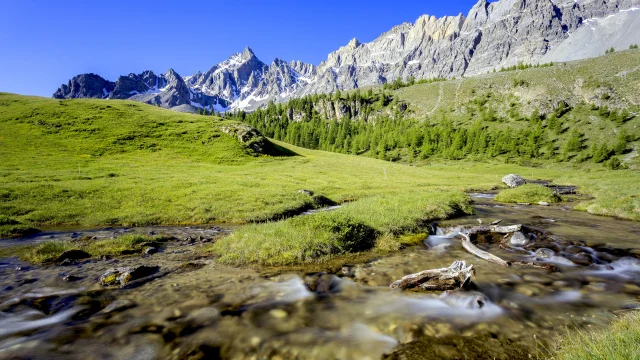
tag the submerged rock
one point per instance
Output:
(583, 259)
(513, 180)
(118, 305)
(124, 275)
(322, 283)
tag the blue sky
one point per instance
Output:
(43, 43)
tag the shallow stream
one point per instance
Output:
(201, 309)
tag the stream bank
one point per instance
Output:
(203, 309)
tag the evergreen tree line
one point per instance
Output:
(523, 66)
(394, 138)
(398, 83)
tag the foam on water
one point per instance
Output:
(10, 325)
(624, 268)
(431, 307)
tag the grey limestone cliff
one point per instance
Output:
(492, 35)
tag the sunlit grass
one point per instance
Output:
(621, 341)
(50, 251)
(97, 163)
(377, 221)
(528, 193)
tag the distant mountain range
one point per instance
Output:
(492, 35)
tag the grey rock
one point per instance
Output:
(519, 239)
(544, 253)
(513, 180)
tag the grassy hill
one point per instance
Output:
(592, 89)
(104, 162)
(612, 80)
(98, 162)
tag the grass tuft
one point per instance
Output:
(50, 251)
(377, 221)
(619, 342)
(528, 193)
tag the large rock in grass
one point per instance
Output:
(513, 180)
(247, 135)
(124, 275)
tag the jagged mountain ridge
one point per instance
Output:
(492, 35)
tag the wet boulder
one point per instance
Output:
(72, 255)
(544, 253)
(124, 275)
(583, 259)
(322, 283)
(513, 180)
(518, 239)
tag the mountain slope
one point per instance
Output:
(492, 35)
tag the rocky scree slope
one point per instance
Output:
(492, 35)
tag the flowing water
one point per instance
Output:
(202, 309)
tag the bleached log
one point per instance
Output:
(468, 245)
(456, 276)
(495, 228)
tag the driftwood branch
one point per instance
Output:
(454, 277)
(495, 228)
(468, 245)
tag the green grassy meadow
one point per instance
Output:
(97, 162)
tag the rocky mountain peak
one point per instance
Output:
(85, 86)
(493, 34)
(433, 28)
(247, 53)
